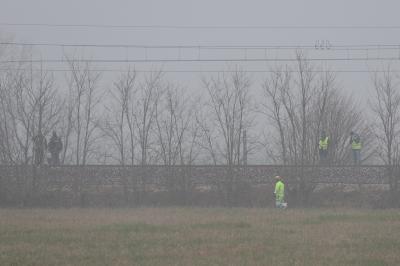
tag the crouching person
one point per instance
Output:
(280, 193)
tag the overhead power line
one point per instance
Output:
(199, 60)
(201, 71)
(204, 47)
(208, 27)
(159, 46)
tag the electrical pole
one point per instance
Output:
(244, 148)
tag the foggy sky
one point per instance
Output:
(207, 13)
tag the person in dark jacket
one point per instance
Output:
(39, 148)
(55, 147)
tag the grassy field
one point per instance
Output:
(199, 236)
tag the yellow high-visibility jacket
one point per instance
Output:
(279, 190)
(323, 143)
(356, 145)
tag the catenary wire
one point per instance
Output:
(199, 60)
(250, 47)
(204, 71)
(208, 27)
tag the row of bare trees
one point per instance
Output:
(29, 104)
(386, 107)
(143, 119)
(150, 121)
(146, 119)
(303, 101)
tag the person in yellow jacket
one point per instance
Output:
(356, 146)
(323, 146)
(279, 193)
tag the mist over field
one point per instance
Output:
(139, 83)
(199, 132)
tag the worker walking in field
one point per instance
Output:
(355, 142)
(279, 193)
(323, 146)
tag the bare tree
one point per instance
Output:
(30, 104)
(16, 107)
(7, 149)
(174, 115)
(86, 97)
(289, 97)
(144, 111)
(273, 108)
(206, 133)
(387, 110)
(231, 115)
(66, 126)
(119, 127)
(175, 138)
(307, 90)
(230, 110)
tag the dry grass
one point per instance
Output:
(199, 236)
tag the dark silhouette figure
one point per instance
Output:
(55, 147)
(39, 148)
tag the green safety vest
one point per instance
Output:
(323, 143)
(279, 190)
(356, 145)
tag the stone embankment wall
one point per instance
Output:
(178, 185)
